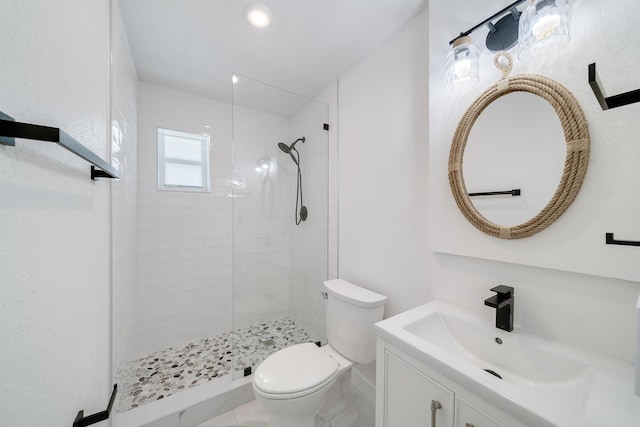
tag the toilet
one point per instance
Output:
(309, 386)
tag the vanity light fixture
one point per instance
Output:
(257, 15)
(544, 24)
(503, 35)
(462, 64)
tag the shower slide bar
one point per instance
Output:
(82, 421)
(10, 129)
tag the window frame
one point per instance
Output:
(204, 139)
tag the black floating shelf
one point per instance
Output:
(609, 240)
(10, 130)
(607, 102)
(82, 421)
(515, 192)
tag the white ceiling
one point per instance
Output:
(196, 45)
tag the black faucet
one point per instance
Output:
(503, 303)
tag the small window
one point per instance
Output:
(183, 161)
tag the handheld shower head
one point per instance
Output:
(287, 148)
(284, 147)
(290, 150)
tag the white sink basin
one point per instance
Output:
(543, 380)
(521, 360)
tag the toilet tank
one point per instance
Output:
(351, 312)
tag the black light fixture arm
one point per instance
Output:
(488, 21)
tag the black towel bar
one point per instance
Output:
(514, 192)
(10, 130)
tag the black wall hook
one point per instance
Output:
(607, 102)
(82, 421)
(609, 240)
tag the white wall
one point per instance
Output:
(124, 201)
(383, 161)
(184, 255)
(594, 310)
(54, 238)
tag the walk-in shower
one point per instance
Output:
(290, 150)
(225, 278)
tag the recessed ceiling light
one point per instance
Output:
(257, 15)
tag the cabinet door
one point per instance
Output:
(468, 415)
(409, 395)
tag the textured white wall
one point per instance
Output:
(54, 238)
(184, 239)
(383, 170)
(605, 202)
(124, 200)
(594, 311)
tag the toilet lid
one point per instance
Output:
(294, 369)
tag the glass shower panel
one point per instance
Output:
(280, 164)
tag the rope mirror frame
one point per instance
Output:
(576, 134)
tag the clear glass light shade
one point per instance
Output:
(461, 65)
(544, 27)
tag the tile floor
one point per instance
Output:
(169, 371)
(248, 415)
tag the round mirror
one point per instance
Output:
(515, 147)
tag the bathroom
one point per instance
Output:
(398, 231)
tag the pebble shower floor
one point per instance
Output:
(166, 372)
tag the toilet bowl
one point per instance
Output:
(309, 386)
(293, 383)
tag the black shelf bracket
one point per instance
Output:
(10, 130)
(609, 240)
(82, 421)
(607, 102)
(515, 192)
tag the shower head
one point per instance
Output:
(284, 147)
(287, 148)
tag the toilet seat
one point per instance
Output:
(295, 371)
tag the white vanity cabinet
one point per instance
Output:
(468, 415)
(410, 394)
